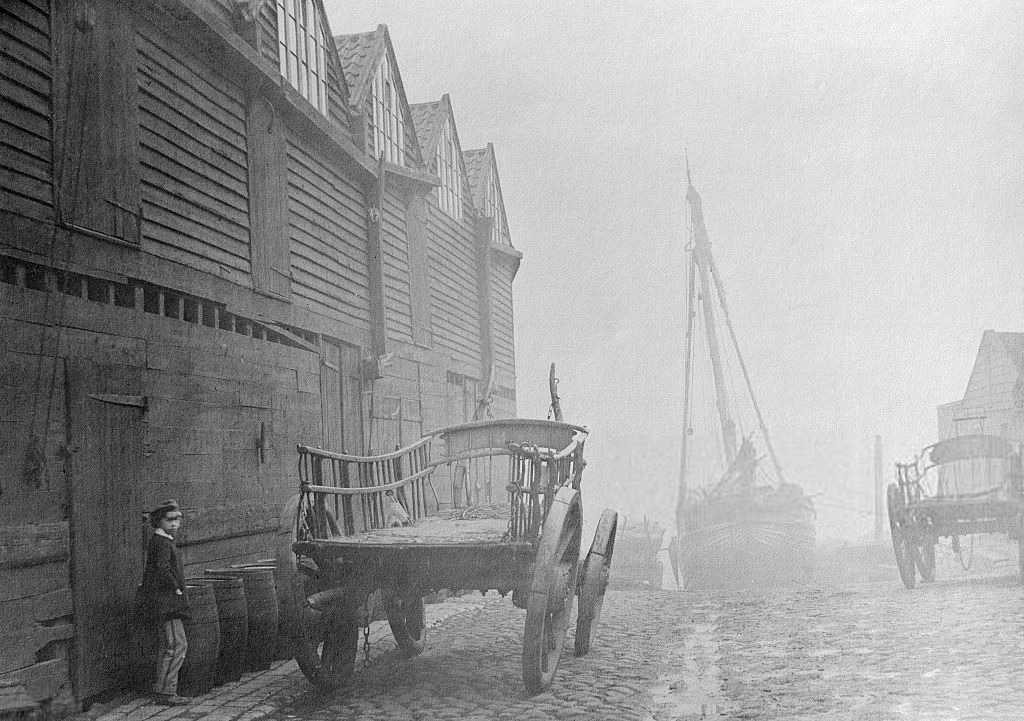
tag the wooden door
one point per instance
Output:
(339, 397)
(269, 240)
(105, 431)
(96, 118)
(330, 399)
(351, 392)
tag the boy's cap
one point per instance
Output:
(165, 507)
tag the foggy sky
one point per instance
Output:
(861, 166)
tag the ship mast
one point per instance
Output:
(702, 263)
(702, 259)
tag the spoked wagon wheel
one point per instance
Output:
(324, 642)
(902, 545)
(594, 580)
(924, 558)
(408, 620)
(552, 590)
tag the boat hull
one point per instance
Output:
(746, 555)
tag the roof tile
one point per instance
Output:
(427, 117)
(356, 52)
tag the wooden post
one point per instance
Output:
(375, 244)
(483, 290)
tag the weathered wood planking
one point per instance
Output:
(33, 544)
(35, 626)
(502, 314)
(419, 270)
(194, 162)
(32, 426)
(327, 217)
(107, 475)
(26, 169)
(268, 199)
(96, 118)
(395, 247)
(453, 281)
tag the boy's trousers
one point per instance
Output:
(169, 656)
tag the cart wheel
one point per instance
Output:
(552, 590)
(924, 558)
(324, 643)
(594, 580)
(902, 546)
(407, 617)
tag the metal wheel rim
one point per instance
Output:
(594, 580)
(552, 592)
(407, 618)
(323, 643)
(925, 558)
(901, 544)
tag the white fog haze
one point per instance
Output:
(861, 167)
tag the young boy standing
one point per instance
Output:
(164, 594)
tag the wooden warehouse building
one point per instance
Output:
(223, 231)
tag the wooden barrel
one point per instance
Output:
(203, 634)
(283, 650)
(233, 615)
(261, 606)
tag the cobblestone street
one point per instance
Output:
(947, 650)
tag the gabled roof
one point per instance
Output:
(1013, 344)
(360, 54)
(357, 53)
(479, 163)
(429, 120)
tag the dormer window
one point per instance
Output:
(387, 127)
(492, 208)
(302, 50)
(449, 193)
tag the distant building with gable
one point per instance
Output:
(993, 402)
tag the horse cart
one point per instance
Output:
(957, 487)
(363, 525)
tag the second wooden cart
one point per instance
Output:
(367, 524)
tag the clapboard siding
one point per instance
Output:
(395, 250)
(25, 85)
(453, 278)
(327, 220)
(993, 378)
(192, 156)
(501, 310)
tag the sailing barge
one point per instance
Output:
(750, 528)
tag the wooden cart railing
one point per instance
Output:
(922, 509)
(331, 557)
(350, 494)
(359, 490)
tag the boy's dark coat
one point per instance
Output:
(163, 575)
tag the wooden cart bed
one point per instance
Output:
(430, 530)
